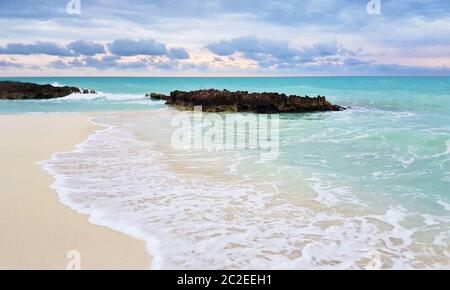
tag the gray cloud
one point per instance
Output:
(146, 47)
(288, 11)
(130, 47)
(273, 53)
(322, 58)
(119, 47)
(354, 66)
(82, 47)
(39, 47)
(75, 48)
(4, 63)
(416, 29)
(114, 62)
(43, 9)
(106, 62)
(373, 68)
(178, 53)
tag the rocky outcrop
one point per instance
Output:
(243, 101)
(89, 91)
(23, 91)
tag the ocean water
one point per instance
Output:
(368, 187)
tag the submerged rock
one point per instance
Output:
(242, 101)
(10, 90)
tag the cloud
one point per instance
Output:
(75, 48)
(329, 66)
(273, 53)
(39, 47)
(129, 47)
(42, 9)
(146, 47)
(4, 63)
(354, 66)
(114, 62)
(322, 58)
(252, 48)
(288, 11)
(119, 47)
(82, 47)
(178, 53)
(418, 34)
(106, 62)
(372, 68)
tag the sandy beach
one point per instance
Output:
(37, 231)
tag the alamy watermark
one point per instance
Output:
(216, 132)
(74, 258)
(74, 7)
(374, 7)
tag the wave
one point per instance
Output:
(97, 216)
(103, 96)
(446, 152)
(196, 222)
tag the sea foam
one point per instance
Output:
(126, 182)
(103, 96)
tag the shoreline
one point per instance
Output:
(339, 220)
(38, 230)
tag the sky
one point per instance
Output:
(224, 37)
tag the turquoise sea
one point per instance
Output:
(368, 187)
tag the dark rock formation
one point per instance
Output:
(242, 101)
(86, 91)
(22, 91)
(156, 96)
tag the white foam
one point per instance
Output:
(446, 152)
(196, 222)
(444, 204)
(105, 96)
(331, 194)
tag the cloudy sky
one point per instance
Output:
(224, 37)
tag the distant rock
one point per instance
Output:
(156, 96)
(241, 101)
(10, 90)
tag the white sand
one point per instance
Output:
(36, 230)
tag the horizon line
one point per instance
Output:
(226, 76)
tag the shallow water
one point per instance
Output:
(229, 210)
(364, 188)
